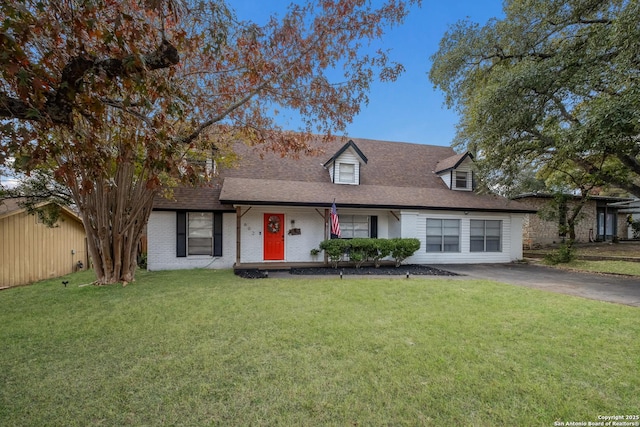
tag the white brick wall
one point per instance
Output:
(297, 247)
(161, 238)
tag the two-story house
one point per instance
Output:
(272, 209)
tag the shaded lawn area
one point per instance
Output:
(205, 347)
(614, 267)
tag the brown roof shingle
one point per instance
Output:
(396, 175)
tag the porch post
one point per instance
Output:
(238, 237)
(326, 234)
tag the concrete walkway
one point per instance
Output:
(603, 287)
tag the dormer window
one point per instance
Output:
(347, 173)
(456, 172)
(462, 179)
(345, 166)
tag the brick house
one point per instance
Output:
(273, 209)
(599, 221)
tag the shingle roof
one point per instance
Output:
(193, 198)
(396, 175)
(451, 162)
(346, 146)
(298, 193)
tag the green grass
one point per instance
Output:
(615, 267)
(207, 348)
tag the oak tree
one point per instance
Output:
(114, 97)
(553, 86)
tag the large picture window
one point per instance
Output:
(486, 235)
(354, 226)
(200, 233)
(443, 235)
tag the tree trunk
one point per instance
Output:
(575, 217)
(114, 212)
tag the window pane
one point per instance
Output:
(493, 228)
(354, 226)
(451, 244)
(200, 246)
(443, 235)
(434, 244)
(477, 227)
(477, 244)
(347, 172)
(461, 180)
(493, 244)
(200, 233)
(360, 233)
(451, 227)
(486, 236)
(434, 227)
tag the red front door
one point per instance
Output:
(274, 237)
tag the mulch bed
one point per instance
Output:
(384, 270)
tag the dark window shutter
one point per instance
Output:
(217, 234)
(181, 235)
(374, 227)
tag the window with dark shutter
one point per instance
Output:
(198, 233)
(217, 234)
(181, 235)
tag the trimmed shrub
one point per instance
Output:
(384, 247)
(402, 249)
(361, 250)
(335, 250)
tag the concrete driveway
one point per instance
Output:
(603, 287)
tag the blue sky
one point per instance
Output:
(410, 109)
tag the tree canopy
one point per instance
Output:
(552, 86)
(112, 97)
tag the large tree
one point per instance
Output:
(113, 97)
(553, 86)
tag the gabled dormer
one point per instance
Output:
(344, 165)
(457, 172)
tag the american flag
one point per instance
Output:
(335, 224)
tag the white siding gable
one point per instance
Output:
(350, 171)
(453, 177)
(414, 225)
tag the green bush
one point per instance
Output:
(402, 249)
(565, 253)
(384, 247)
(361, 250)
(335, 250)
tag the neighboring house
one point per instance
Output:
(32, 251)
(628, 211)
(599, 220)
(271, 209)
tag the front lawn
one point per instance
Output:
(207, 348)
(614, 267)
